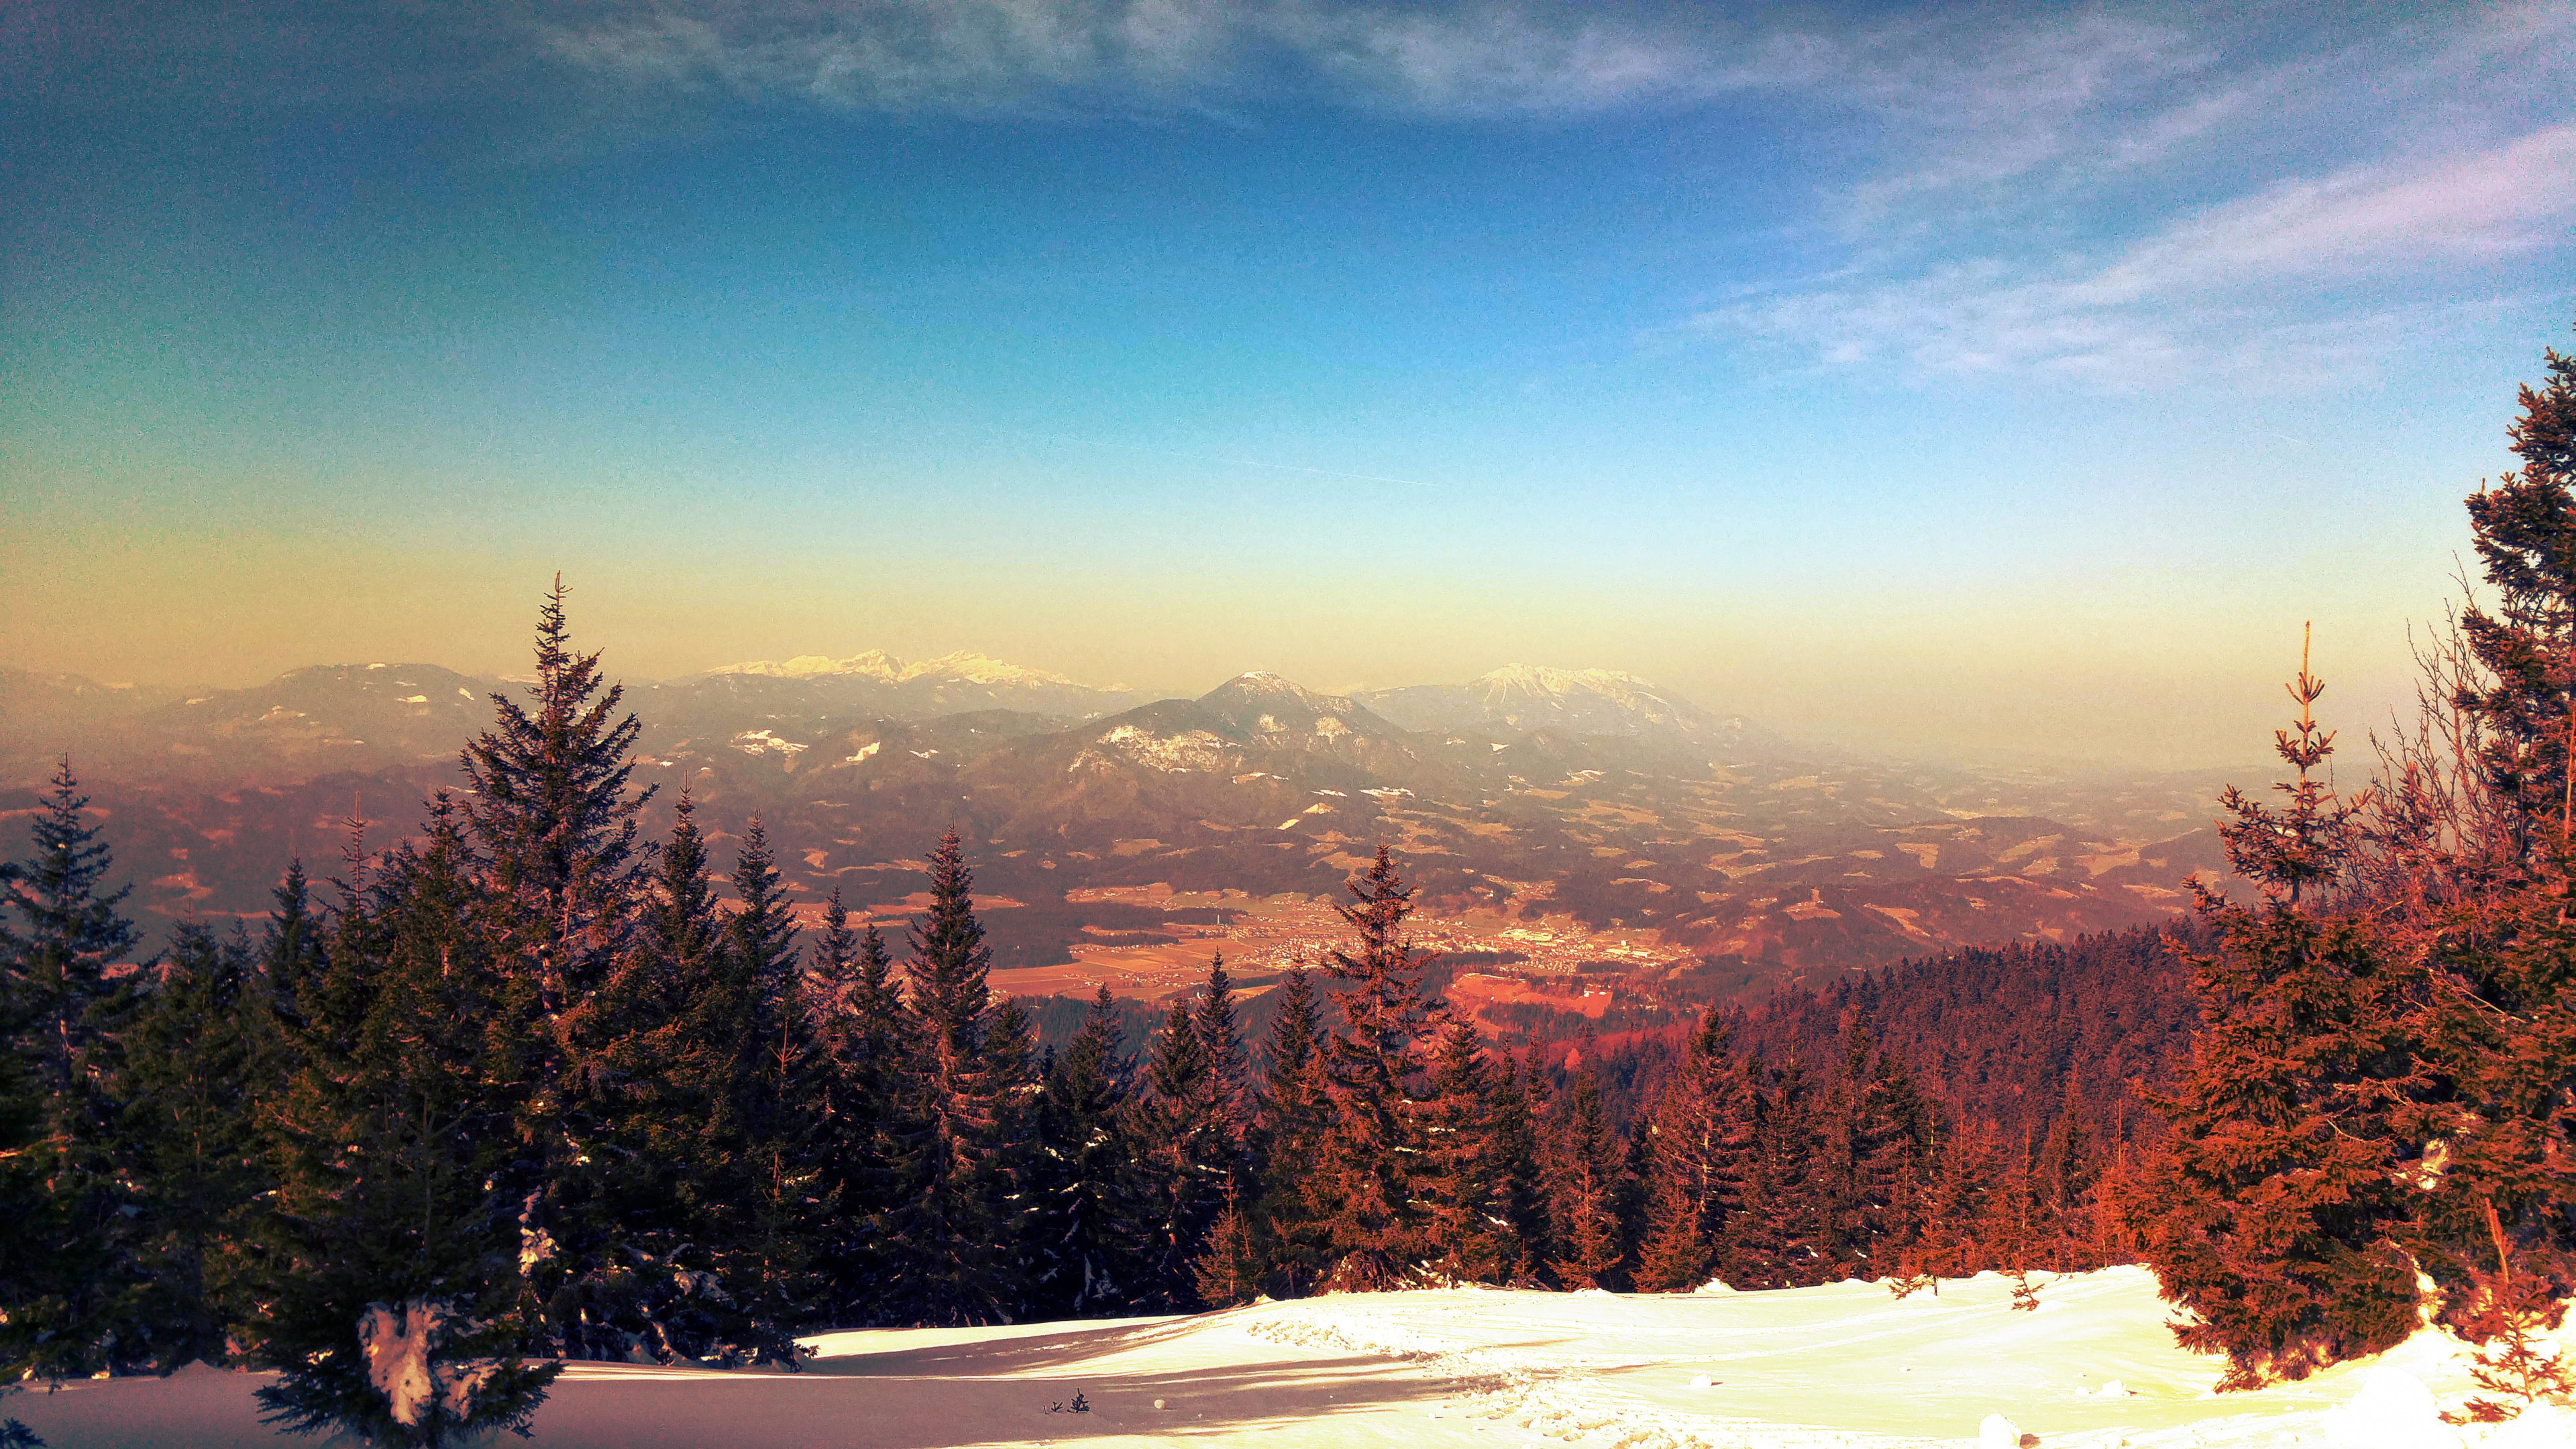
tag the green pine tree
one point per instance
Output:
(1700, 1141)
(393, 1301)
(1782, 1236)
(941, 1236)
(781, 1091)
(69, 1254)
(2277, 1216)
(876, 1127)
(1585, 1169)
(1371, 1148)
(1187, 1153)
(1012, 1081)
(1518, 1200)
(1091, 1249)
(1465, 1237)
(2490, 879)
(1230, 1103)
(1296, 1105)
(193, 1071)
(562, 878)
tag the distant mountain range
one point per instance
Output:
(1566, 701)
(951, 684)
(337, 717)
(1594, 799)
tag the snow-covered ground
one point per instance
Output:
(1845, 1366)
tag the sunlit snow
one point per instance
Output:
(1846, 1366)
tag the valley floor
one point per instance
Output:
(1844, 1366)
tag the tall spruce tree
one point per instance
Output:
(394, 1303)
(1091, 1250)
(650, 1058)
(67, 1260)
(1466, 1238)
(1012, 1081)
(2279, 1220)
(1371, 1147)
(2500, 1022)
(2524, 532)
(1700, 1135)
(1184, 1154)
(1957, 1203)
(294, 956)
(554, 826)
(1296, 1104)
(554, 822)
(191, 1077)
(830, 990)
(1586, 1170)
(2065, 1178)
(1886, 1139)
(877, 1130)
(1783, 1238)
(1230, 1102)
(781, 1091)
(940, 1233)
(1518, 1202)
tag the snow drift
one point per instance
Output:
(1846, 1365)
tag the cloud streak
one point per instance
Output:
(1015, 56)
(2208, 293)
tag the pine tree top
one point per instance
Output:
(2305, 842)
(70, 924)
(950, 962)
(552, 817)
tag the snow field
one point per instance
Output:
(1845, 1366)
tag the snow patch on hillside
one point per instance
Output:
(1173, 754)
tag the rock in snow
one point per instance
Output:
(400, 1342)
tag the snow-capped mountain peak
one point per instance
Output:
(1262, 684)
(1549, 682)
(962, 667)
(1576, 701)
(968, 667)
(873, 664)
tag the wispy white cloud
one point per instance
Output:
(967, 55)
(2229, 289)
(1978, 100)
(2467, 207)
(981, 56)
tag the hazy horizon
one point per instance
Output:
(1986, 381)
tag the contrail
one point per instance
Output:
(1236, 462)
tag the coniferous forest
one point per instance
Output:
(527, 1086)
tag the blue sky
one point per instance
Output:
(1974, 378)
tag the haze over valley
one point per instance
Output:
(1598, 851)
